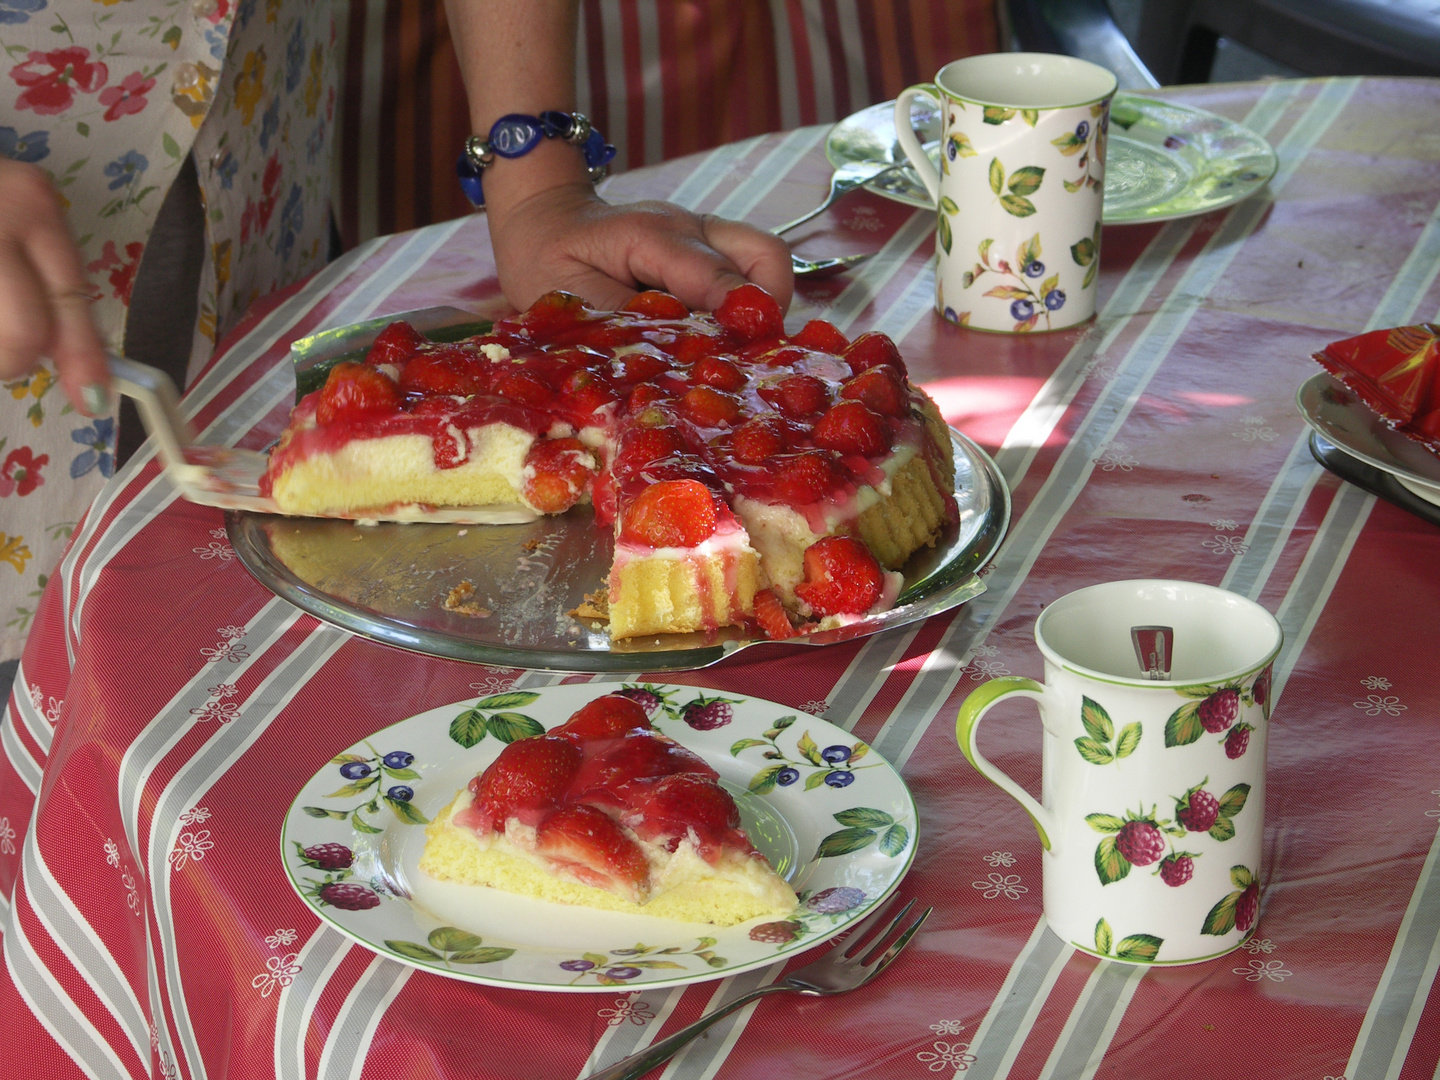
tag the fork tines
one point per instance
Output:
(876, 945)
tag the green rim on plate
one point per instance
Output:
(833, 817)
(1164, 159)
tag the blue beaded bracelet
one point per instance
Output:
(516, 135)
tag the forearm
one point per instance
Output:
(518, 56)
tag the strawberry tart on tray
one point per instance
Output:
(751, 478)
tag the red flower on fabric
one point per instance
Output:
(122, 271)
(21, 471)
(247, 220)
(269, 182)
(51, 79)
(128, 98)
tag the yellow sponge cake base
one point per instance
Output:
(674, 592)
(734, 892)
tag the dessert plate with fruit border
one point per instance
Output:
(1164, 160)
(833, 817)
(508, 594)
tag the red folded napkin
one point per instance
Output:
(1393, 372)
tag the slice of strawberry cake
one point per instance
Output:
(719, 449)
(605, 811)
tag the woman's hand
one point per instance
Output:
(44, 296)
(566, 237)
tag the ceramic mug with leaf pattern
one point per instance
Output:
(1019, 190)
(1152, 807)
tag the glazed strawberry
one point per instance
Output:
(644, 446)
(353, 390)
(524, 389)
(668, 810)
(636, 367)
(751, 314)
(607, 717)
(797, 396)
(645, 395)
(553, 313)
(851, 428)
(707, 407)
(581, 404)
(654, 304)
(804, 478)
(718, 372)
(871, 349)
(771, 616)
(688, 348)
(642, 754)
(529, 776)
(821, 336)
(672, 513)
(593, 847)
(880, 388)
(395, 344)
(759, 438)
(841, 577)
(557, 473)
(448, 371)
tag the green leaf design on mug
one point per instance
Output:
(1023, 181)
(997, 114)
(1221, 918)
(1095, 746)
(1069, 145)
(1139, 947)
(1084, 252)
(1184, 725)
(947, 237)
(1104, 938)
(1030, 116)
(960, 145)
(1109, 863)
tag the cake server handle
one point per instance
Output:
(154, 394)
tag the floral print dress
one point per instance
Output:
(110, 97)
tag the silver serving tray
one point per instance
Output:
(388, 581)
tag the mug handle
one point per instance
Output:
(967, 725)
(905, 133)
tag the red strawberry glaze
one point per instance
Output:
(561, 368)
(606, 767)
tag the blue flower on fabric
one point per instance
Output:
(99, 453)
(295, 57)
(19, 11)
(269, 124)
(217, 39)
(19, 147)
(292, 220)
(126, 169)
(229, 166)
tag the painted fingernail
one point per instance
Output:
(96, 398)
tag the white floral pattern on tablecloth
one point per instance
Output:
(1375, 682)
(1259, 945)
(947, 1056)
(997, 885)
(1000, 858)
(980, 670)
(190, 845)
(279, 971)
(630, 1009)
(110, 99)
(281, 937)
(947, 1027)
(1259, 970)
(1116, 455)
(1375, 704)
(1226, 545)
(1255, 430)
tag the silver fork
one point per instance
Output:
(846, 179)
(820, 268)
(851, 964)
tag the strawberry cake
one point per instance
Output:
(606, 812)
(722, 452)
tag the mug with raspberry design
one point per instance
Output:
(1116, 881)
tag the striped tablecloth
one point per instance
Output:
(168, 707)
